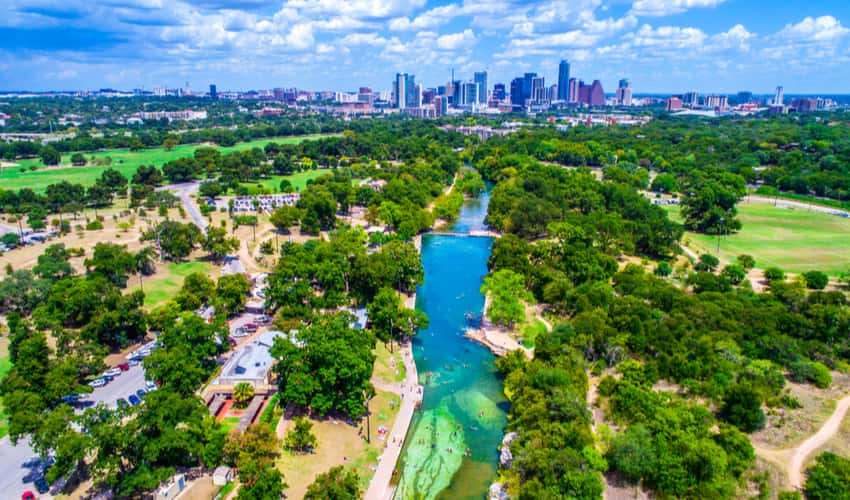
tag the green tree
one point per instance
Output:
(816, 280)
(390, 320)
(829, 478)
(169, 143)
(338, 483)
(774, 275)
(113, 262)
(742, 408)
(663, 269)
(734, 273)
(746, 261)
(174, 239)
(243, 392)
(300, 437)
(49, 155)
(231, 293)
(284, 218)
(707, 262)
(196, 291)
(217, 243)
(507, 294)
(78, 159)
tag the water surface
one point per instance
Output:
(451, 447)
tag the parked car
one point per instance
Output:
(232, 341)
(28, 495)
(150, 385)
(263, 319)
(124, 367)
(251, 327)
(122, 404)
(41, 485)
(134, 400)
(133, 361)
(141, 393)
(112, 372)
(98, 382)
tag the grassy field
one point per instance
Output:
(5, 366)
(123, 160)
(168, 280)
(272, 184)
(796, 240)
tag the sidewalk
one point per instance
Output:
(379, 487)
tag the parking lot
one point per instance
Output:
(121, 387)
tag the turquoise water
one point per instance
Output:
(451, 448)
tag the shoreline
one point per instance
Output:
(499, 340)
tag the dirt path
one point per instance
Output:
(781, 202)
(792, 459)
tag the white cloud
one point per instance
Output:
(456, 40)
(359, 9)
(821, 29)
(300, 37)
(658, 8)
(736, 38)
(667, 37)
(433, 18)
(371, 39)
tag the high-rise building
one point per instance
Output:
(572, 93)
(517, 97)
(213, 93)
(538, 90)
(480, 79)
(624, 93)
(564, 81)
(499, 92)
(691, 98)
(278, 93)
(441, 105)
(779, 99)
(591, 95)
(717, 101)
(406, 94)
(526, 85)
(468, 94)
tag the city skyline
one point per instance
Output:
(661, 46)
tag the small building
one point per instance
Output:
(251, 363)
(172, 488)
(222, 475)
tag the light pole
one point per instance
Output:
(368, 422)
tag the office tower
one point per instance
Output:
(572, 93)
(517, 98)
(499, 92)
(526, 85)
(691, 98)
(538, 90)
(624, 93)
(213, 93)
(468, 94)
(591, 95)
(480, 79)
(441, 105)
(400, 90)
(552, 93)
(414, 93)
(564, 81)
(779, 100)
(717, 101)
(744, 97)
(428, 96)
(278, 94)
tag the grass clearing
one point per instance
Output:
(123, 160)
(389, 367)
(530, 331)
(168, 280)
(793, 239)
(341, 444)
(272, 183)
(5, 366)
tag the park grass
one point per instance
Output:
(794, 239)
(168, 280)
(123, 160)
(5, 366)
(340, 444)
(230, 423)
(531, 331)
(270, 185)
(384, 370)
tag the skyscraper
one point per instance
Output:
(481, 80)
(564, 81)
(517, 98)
(538, 90)
(499, 92)
(468, 94)
(779, 99)
(400, 91)
(526, 85)
(624, 93)
(213, 93)
(572, 93)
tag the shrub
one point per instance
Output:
(816, 280)
(829, 478)
(94, 225)
(742, 408)
(811, 371)
(772, 274)
(663, 269)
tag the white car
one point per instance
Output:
(150, 385)
(112, 372)
(98, 382)
(133, 361)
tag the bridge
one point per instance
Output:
(475, 233)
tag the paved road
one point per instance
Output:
(16, 462)
(232, 265)
(121, 387)
(184, 191)
(379, 487)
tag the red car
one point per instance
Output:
(124, 367)
(28, 495)
(251, 327)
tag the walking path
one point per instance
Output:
(792, 459)
(380, 487)
(782, 202)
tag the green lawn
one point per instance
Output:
(5, 366)
(793, 239)
(164, 285)
(272, 184)
(123, 160)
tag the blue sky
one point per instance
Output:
(661, 45)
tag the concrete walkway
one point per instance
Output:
(379, 487)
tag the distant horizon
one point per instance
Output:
(329, 44)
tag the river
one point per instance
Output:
(451, 447)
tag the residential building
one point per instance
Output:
(717, 101)
(674, 104)
(691, 98)
(564, 81)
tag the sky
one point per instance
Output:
(664, 46)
